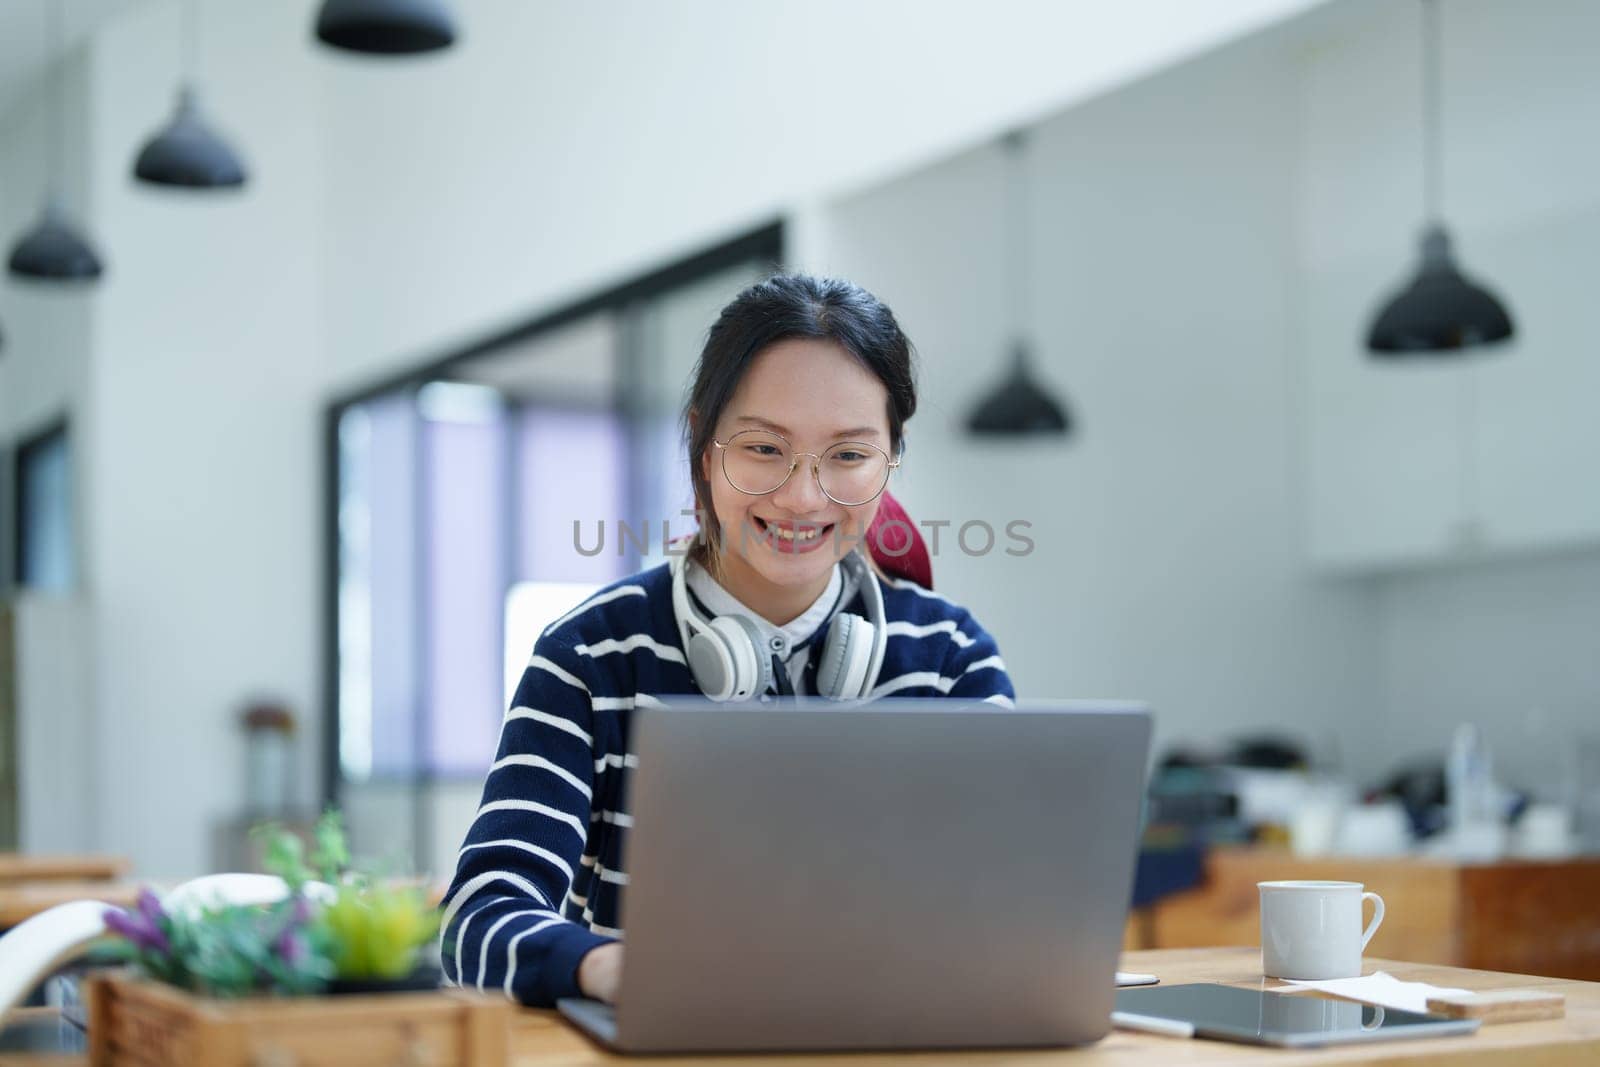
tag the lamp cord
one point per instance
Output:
(1432, 186)
(1017, 238)
(1469, 531)
(190, 35)
(58, 167)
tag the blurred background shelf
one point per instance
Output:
(21, 902)
(16, 867)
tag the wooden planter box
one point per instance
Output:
(149, 1024)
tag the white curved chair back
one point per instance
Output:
(223, 890)
(34, 948)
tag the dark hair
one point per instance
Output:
(781, 307)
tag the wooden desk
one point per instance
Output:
(542, 1039)
(1522, 916)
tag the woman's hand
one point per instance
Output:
(600, 972)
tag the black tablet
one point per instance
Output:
(1259, 1017)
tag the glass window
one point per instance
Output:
(378, 602)
(466, 524)
(530, 607)
(45, 558)
(471, 502)
(571, 496)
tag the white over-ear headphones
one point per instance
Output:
(729, 661)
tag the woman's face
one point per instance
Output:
(814, 394)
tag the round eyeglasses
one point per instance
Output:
(850, 473)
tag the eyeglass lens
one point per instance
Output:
(758, 462)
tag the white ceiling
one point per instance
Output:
(26, 48)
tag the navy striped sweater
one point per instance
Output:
(539, 879)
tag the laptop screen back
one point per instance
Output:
(890, 875)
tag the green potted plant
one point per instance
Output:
(226, 985)
(347, 932)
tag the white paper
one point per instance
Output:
(1383, 988)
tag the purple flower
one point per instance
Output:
(124, 924)
(290, 947)
(302, 911)
(143, 926)
(150, 907)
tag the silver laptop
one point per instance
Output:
(893, 875)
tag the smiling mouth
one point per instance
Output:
(804, 533)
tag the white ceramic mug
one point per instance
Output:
(1312, 930)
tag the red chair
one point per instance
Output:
(896, 544)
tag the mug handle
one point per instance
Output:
(1377, 917)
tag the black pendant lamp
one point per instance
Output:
(1019, 406)
(1441, 311)
(186, 152)
(53, 250)
(386, 27)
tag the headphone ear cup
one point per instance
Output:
(711, 663)
(749, 672)
(846, 656)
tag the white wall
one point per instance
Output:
(44, 362)
(59, 796)
(47, 327)
(206, 391)
(561, 146)
(1168, 562)
(44, 376)
(1508, 642)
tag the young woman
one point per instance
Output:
(795, 421)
